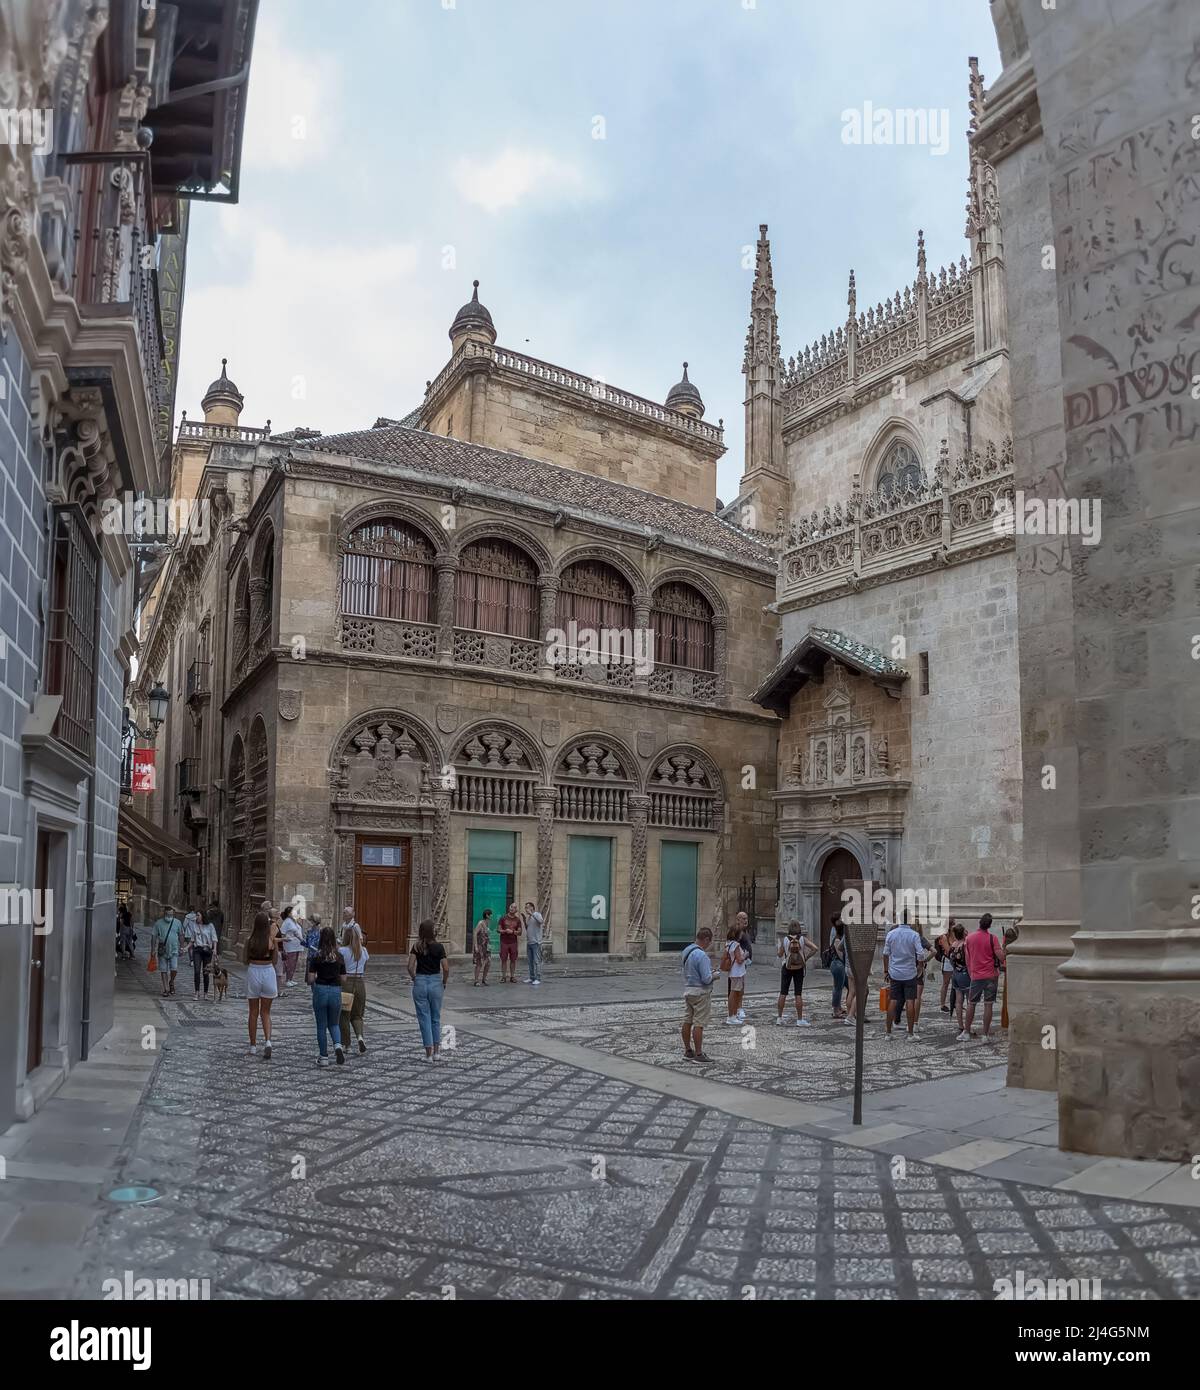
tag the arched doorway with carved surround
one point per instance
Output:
(838, 868)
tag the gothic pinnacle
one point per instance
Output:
(851, 298)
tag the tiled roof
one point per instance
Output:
(814, 649)
(548, 482)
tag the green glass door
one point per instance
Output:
(679, 874)
(491, 875)
(589, 892)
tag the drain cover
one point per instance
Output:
(133, 1194)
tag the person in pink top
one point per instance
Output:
(985, 960)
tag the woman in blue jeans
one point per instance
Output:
(838, 960)
(326, 971)
(429, 970)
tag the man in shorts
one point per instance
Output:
(697, 994)
(903, 961)
(164, 943)
(481, 947)
(985, 956)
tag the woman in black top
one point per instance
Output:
(429, 970)
(325, 972)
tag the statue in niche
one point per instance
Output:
(879, 854)
(822, 773)
(839, 751)
(860, 758)
(881, 753)
(789, 879)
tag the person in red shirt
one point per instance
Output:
(985, 960)
(510, 929)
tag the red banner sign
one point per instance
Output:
(143, 770)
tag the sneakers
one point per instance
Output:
(732, 1021)
(803, 1023)
(253, 1052)
(322, 1061)
(701, 1057)
(689, 1055)
(291, 984)
(915, 1035)
(964, 1036)
(266, 1052)
(535, 983)
(362, 1047)
(527, 981)
(779, 1021)
(341, 1056)
(740, 1015)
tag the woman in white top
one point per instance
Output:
(737, 977)
(292, 929)
(356, 955)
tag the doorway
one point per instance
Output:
(840, 867)
(382, 892)
(589, 893)
(37, 956)
(491, 878)
(679, 863)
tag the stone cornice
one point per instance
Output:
(625, 699)
(1012, 115)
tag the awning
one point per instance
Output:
(151, 840)
(807, 659)
(124, 871)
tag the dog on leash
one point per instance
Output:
(220, 978)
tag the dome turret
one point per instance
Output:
(222, 402)
(472, 322)
(684, 397)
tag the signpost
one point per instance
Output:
(861, 936)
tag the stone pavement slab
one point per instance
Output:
(1120, 1177)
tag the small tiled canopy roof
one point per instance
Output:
(808, 657)
(644, 512)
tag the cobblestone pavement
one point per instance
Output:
(814, 1063)
(497, 1173)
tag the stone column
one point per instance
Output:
(1115, 718)
(547, 606)
(639, 811)
(641, 621)
(447, 573)
(718, 912)
(545, 798)
(441, 861)
(721, 656)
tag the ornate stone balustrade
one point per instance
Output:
(931, 313)
(870, 538)
(682, 810)
(390, 638)
(607, 805)
(701, 686)
(595, 390)
(473, 648)
(240, 434)
(493, 793)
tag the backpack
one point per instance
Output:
(795, 953)
(726, 960)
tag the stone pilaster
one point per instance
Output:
(721, 656)
(718, 911)
(544, 799)
(639, 811)
(260, 617)
(441, 861)
(641, 621)
(447, 574)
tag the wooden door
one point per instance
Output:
(37, 959)
(839, 868)
(382, 892)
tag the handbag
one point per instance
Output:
(884, 998)
(347, 1000)
(152, 963)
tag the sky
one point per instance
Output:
(600, 166)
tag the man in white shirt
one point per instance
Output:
(903, 955)
(533, 921)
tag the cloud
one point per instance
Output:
(294, 102)
(513, 176)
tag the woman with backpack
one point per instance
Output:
(794, 953)
(960, 976)
(733, 963)
(838, 962)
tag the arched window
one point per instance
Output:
(899, 470)
(241, 620)
(496, 589)
(595, 596)
(682, 620)
(387, 572)
(266, 573)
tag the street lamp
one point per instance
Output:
(158, 701)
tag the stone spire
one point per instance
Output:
(922, 274)
(984, 232)
(764, 479)
(762, 337)
(852, 297)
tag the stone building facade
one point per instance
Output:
(1090, 131)
(385, 687)
(881, 456)
(85, 406)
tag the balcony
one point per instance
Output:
(187, 777)
(198, 684)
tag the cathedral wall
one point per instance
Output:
(822, 464)
(566, 432)
(962, 822)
